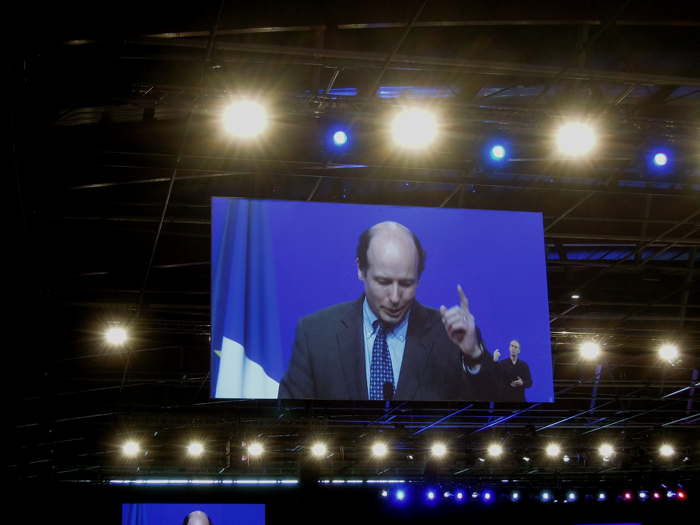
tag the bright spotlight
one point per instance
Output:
(400, 494)
(575, 139)
(681, 495)
(602, 496)
(589, 350)
(643, 495)
(669, 352)
(245, 119)
(379, 450)
(515, 496)
(495, 450)
(666, 450)
(131, 448)
(459, 495)
(319, 450)
(487, 496)
(340, 138)
(571, 496)
(606, 450)
(446, 494)
(255, 449)
(627, 496)
(438, 450)
(430, 495)
(195, 449)
(656, 495)
(498, 152)
(545, 496)
(553, 450)
(116, 336)
(660, 159)
(384, 493)
(414, 128)
(566, 458)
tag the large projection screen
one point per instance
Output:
(291, 319)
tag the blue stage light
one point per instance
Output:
(459, 495)
(571, 496)
(340, 138)
(498, 152)
(660, 159)
(643, 495)
(602, 496)
(545, 496)
(487, 496)
(515, 496)
(430, 495)
(400, 495)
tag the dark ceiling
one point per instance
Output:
(117, 153)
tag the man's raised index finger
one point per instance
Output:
(463, 301)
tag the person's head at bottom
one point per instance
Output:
(390, 261)
(197, 517)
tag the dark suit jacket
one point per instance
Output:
(328, 361)
(510, 372)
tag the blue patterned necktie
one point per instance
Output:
(380, 371)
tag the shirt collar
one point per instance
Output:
(368, 316)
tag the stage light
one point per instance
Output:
(414, 128)
(245, 119)
(475, 495)
(545, 496)
(438, 450)
(670, 494)
(589, 350)
(487, 496)
(669, 352)
(666, 450)
(379, 450)
(526, 459)
(643, 495)
(553, 450)
(627, 496)
(606, 451)
(575, 297)
(498, 152)
(195, 449)
(255, 449)
(131, 448)
(495, 450)
(446, 494)
(681, 495)
(566, 458)
(602, 496)
(571, 496)
(400, 495)
(515, 496)
(319, 450)
(430, 495)
(340, 138)
(656, 495)
(116, 336)
(660, 159)
(575, 139)
(384, 493)
(459, 495)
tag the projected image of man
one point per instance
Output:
(515, 373)
(386, 344)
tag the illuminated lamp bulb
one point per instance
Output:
(131, 448)
(589, 350)
(666, 450)
(606, 450)
(660, 159)
(379, 450)
(498, 152)
(495, 450)
(669, 352)
(438, 450)
(116, 336)
(575, 139)
(414, 128)
(319, 450)
(195, 449)
(245, 119)
(340, 138)
(255, 449)
(553, 450)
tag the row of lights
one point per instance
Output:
(379, 450)
(416, 128)
(588, 350)
(591, 350)
(432, 495)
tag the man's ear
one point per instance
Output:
(360, 275)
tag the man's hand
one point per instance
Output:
(496, 355)
(460, 326)
(517, 382)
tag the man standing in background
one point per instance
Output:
(515, 374)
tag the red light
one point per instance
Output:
(627, 496)
(656, 495)
(681, 494)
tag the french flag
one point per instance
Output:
(247, 357)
